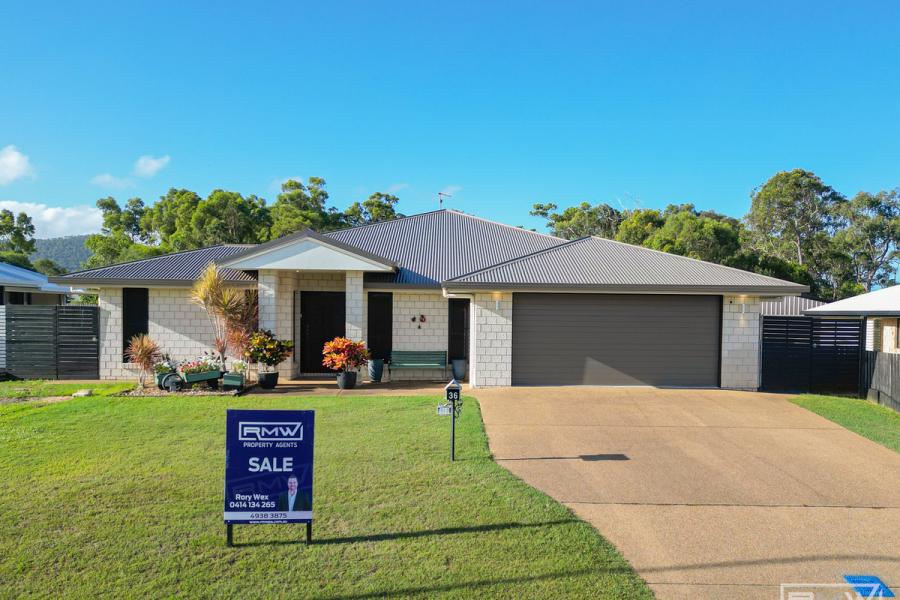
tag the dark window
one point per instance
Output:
(18, 298)
(459, 329)
(135, 314)
(381, 324)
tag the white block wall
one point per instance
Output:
(492, 315)
(740, 342)
(407, 334)
(179, 327)
(355, 314)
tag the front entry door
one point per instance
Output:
(322, 318)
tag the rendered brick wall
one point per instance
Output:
(740, 342)
(493, 340)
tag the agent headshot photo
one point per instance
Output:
(293, 499)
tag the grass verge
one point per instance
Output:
(870, 420)
(35, 388)
(122, 497)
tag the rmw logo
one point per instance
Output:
(260, 431)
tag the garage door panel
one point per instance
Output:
(598, 339)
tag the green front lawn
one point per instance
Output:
(36, 388)
(868, 419)
(122, 497)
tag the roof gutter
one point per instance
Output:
(761, 290)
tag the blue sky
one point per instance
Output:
(506, 104)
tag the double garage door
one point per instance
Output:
(616, 339)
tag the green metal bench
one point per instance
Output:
(418, 359)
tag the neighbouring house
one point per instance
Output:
(21, 286)
(880, 309)
(523, 308)
(789, 306)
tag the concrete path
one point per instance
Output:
(708, 493)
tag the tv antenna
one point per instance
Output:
(441, 196)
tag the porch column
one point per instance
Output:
(276, 309)
(355, 326)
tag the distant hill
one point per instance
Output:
(68, 252)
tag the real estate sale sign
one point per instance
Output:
(269, 466)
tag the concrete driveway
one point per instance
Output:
(708, 493)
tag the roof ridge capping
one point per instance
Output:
(518, 258)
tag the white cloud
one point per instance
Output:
(13, 165)
(111, 181)
(57, 221)
(148, 166)
(397, 187)
(451, 189)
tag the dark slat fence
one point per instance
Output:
(881, 378)
(803, 354)
(53, 342)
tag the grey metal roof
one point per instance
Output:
(179, 268)
(436, 246)
(789, 306)
(599, 264)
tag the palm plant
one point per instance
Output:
(232, 313)
(145, 353)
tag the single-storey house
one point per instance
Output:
(22, 286)
(880, 309)
(524, 308)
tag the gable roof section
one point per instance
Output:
(432, 247)
(599, 264)
(256, 256)
(176, 269)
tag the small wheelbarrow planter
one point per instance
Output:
(175, 382)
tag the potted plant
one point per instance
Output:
(345, 356)
(265, 349)
(163, 368)
(201, 369)
(234, 379)
(376, 369)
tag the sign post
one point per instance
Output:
(454, 399)
(268, 468)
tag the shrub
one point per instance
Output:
(342, 354)
(201, 365)
(264, 348)
(143, 353)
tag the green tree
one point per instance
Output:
(789, 211)
(126, 220)
(16, 232)
(168, 220)
(48, 267)
(378, 207)
(229, 218)
(16, 258)
(771, 266)
(111, 247)
(300, 206)
(687, 233)
(870, 239)
(575, 222)
(639, 225)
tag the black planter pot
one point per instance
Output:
(346, 380)
(268, 381)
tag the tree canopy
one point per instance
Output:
(798, 229)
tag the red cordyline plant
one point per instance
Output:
(143, 352)
(342, 354)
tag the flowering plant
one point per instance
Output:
(238, 366)
(201, 365)
(166, 365)
(341, 354)
(266, 349)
